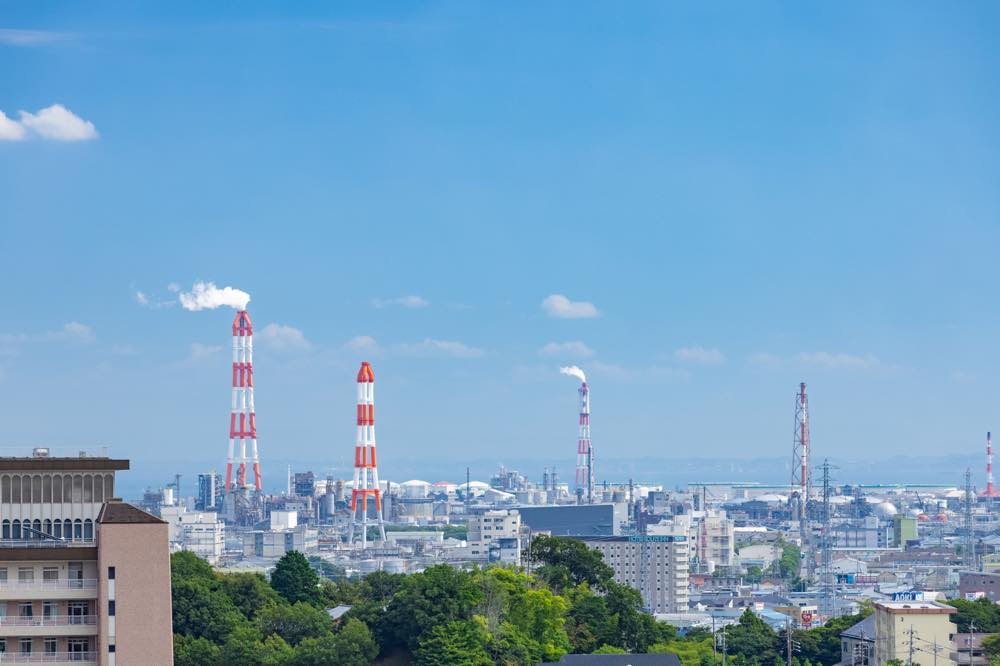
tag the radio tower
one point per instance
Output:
(584, 450)
(365, 470)
(242, 419)
(801, 479)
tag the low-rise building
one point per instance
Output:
(900, 626)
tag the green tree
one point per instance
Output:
(353, 645)
(294, 579)
(982, 612)
(186, 566)
(609, 649)
(752, 639)
(190, 651)
(754, 574)
(294, 623)
(202, 612)
(249, 592)
(243, 647)
(567, 562)
(457, 643)
(588, 624)
(991, 646)
(635, 630)
(438, 595)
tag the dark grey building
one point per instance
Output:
(575, 519)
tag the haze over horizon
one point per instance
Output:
(699, 208)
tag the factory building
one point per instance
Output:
(582, 520)
(200, 532)
(656, 565)
(84, 577)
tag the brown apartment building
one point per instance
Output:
(84, 577)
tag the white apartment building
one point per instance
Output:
(656, 565)
(715, 541)
(489, 525)
(926, 625)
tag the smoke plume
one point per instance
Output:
(574, 371)
(206, 296)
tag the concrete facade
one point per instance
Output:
(923, 625)
(656, 565)
(55, 554)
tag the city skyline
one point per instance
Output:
(470, 198)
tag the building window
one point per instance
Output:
(111, 573)
(3, 575)
(50, 610)
(16, 532)
(77, 530)
(111, 647)
(50, 573)
(88, 529)
(25, 609)
(50, 647)
(6, 529)
(57, 496)
(25, 646)
(78, 646)
(25, 574)
(111, 607)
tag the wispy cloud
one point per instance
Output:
(283, 338)
(200, 352)
(53, 123)
(71, 332)
(699, 355)
(432, 348)
(411, 302)
(15, 37)
(561, 307)
(571, 349)
(363, 344)
(74, 331)
(820, 359)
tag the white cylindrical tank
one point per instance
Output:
(415, 488)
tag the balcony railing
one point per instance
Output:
(53, 621)
(61, 584)
(46, 543)
(46, 658)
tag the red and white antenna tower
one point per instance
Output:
(242, 419)
(801, 477)
(990, 491)
(365, 469)
(584, 449)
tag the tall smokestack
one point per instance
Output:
(584, 449)
(365, 469)
(801, 480)
(989, 466)
(242, 417)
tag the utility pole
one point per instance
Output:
(909, 660)
(715, 650)
(788, 641)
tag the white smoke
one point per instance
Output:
(206, 296)
(574, 371)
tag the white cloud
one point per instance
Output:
(699, 355)
(13, 37)
(430, 347)
(206, 296)
(141, 298)
(10, 129)
(58, 123)
(411, 302)
(573, 349)
(561, 307)
(283, 338)
(363, 344)
(838, 360)
(74, 331)
(174, 287)
(200, 352)
(820, 359)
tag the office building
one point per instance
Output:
(656, 565)
(84, 577)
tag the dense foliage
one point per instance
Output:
(443, 615)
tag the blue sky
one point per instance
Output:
(748, 194)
